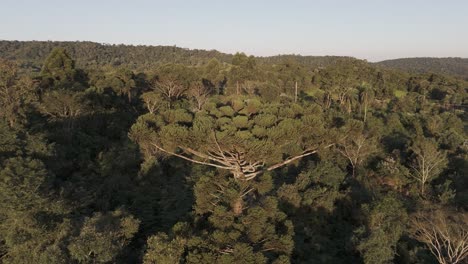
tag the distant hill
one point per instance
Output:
(31, 54)
(88, 54)
(451, 66)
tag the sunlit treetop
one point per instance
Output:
(243, 135)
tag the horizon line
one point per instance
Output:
(233, 53)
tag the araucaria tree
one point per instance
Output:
(244, 136)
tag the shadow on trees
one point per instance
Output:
(324, 236)
(99, 169)
(395, 140)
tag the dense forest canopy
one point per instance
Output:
(137, 154)
(452, 66)
(88, 54)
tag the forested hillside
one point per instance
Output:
(32, 54)
(90, 54)
(118, 154)
(452, 66)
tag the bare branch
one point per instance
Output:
(190, 159)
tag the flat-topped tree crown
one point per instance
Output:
(242, 135)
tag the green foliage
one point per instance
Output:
(103, 236)
(105, 160)
(318, 187)
(400, 94)
(208, 132)
(122, 82)
(428, 162)
(239, 228)
(31, 228)
(16, 93)
(163, 250)
(453, 66)
(23, 184)
(59, 68)
(385, 226)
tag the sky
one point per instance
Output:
(367, 29)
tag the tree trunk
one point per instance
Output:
(295, 94)
(238, 206)
(365, 107)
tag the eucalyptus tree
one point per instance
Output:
(199, 93)
(121, 82)
(172, 81)
(214, 75)
(292, 76)
(357, 145)
(365, 95)
(124, 84)
(445, 232)
(242, 71)
(428, 162)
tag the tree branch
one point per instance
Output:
(190, 159)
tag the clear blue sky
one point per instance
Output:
(367, 29)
